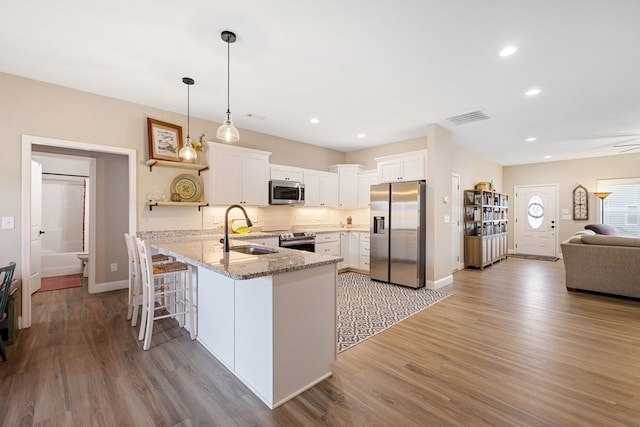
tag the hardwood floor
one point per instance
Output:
(511, 347)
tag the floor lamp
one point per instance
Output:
(602, 195)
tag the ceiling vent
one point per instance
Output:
(470, 117)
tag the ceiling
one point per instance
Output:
(383, 68)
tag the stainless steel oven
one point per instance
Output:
(286, 193)
(304, 241)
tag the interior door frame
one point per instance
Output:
(517, 215)
(456, 201)
(27, 142)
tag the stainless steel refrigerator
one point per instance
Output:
(398, 233)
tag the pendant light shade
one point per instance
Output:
(187, 153)
(228, 132)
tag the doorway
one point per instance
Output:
(66, 183)
(89, 150)
(536, 230)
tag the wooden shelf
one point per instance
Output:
(166, 163)
(199, 205)
(486, 226)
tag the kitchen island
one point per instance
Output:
(269, 318)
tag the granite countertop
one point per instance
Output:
(206, 251)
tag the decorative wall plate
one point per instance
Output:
(188, 187)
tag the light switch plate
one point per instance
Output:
(8, 222)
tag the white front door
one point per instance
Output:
(455, 222)
(536, 224)
(36, 224)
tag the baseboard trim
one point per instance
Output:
(440, 283)
(109, 286)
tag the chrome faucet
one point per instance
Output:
(225, 243)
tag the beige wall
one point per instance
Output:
(473, 169)
(29, 107)
(439, 169)
(568, 174)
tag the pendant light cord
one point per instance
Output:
(228, 79)
(188, 114)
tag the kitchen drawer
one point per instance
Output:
(365, 243)
(328, 248)
(364, 263)
(327, 237)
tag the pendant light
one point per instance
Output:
(228, 132)
(187, 153)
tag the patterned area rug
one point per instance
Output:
(367, 307)
(60, 282)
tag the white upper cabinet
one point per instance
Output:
(236, 175)
(365, 180)
(347, 184)
(320, 188)
(285, 173)
(402, 167)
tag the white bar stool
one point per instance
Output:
(175, 294)
(135, 286)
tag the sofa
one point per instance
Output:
(602, 263)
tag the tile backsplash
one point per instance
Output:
(274, 218)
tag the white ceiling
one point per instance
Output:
(383, 68)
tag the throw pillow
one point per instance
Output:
(605, 229)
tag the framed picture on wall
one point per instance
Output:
(580, 204)
(165, 140)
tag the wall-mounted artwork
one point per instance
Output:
(580, 204)
(165, 140)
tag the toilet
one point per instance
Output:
(84, 260)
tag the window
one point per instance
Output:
(622, 206)
(535, 212)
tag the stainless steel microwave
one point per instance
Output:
(286, 193)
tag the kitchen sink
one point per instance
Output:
(254, 250)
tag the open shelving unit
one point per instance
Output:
(486, 226)
(199, 205)
(166, 163)
(179, 165)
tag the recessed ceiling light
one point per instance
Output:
(509, 50)
(548, 156)
(361, 135)
(532, 92)
(315, 121)
(532, 139)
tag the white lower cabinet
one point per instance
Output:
(354, 247)
(277, 333)
(216, 315)
(364, 248)
(328, 243)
